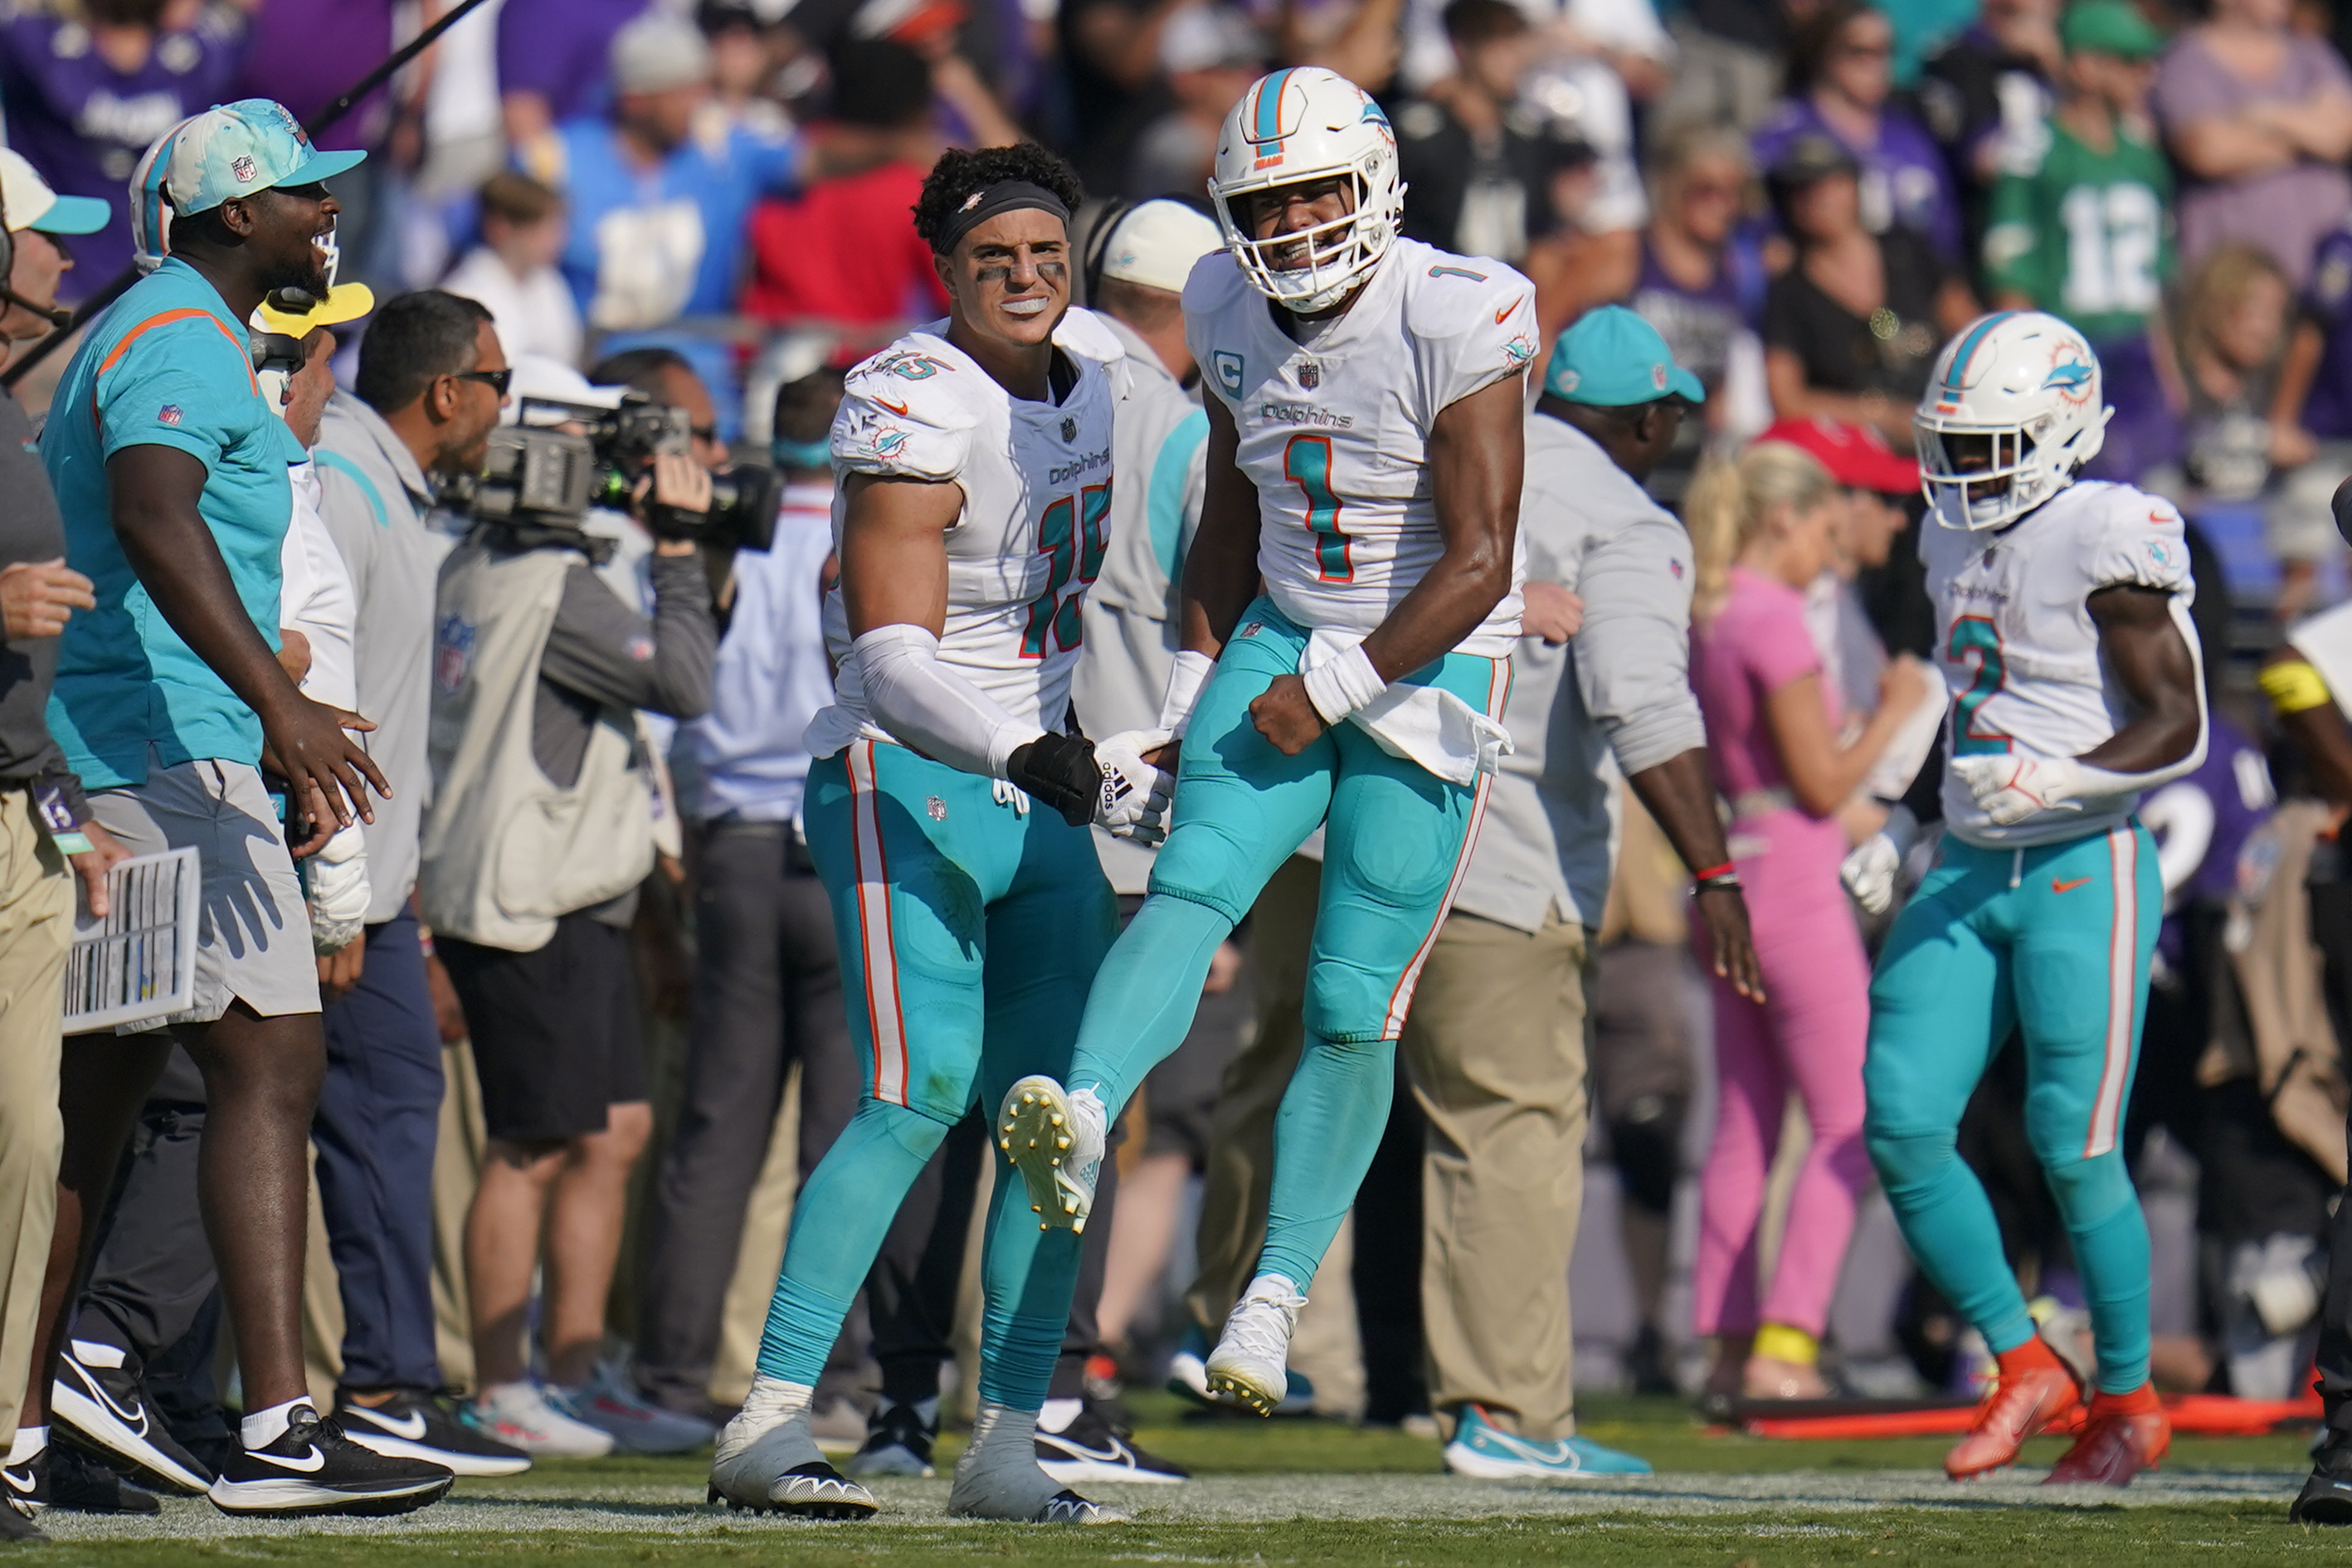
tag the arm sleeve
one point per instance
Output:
(1632, 656)
(606, 652)
(930, 707)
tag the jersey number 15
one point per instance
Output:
(1071, 535)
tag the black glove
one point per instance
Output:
(1060, 771)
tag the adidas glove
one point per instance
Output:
(2014, 785)
(1060, 772)
(1135, 794)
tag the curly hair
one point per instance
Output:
(959, 173)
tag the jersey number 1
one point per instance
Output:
(1071, 536)
(1307, 463)
(1975, 635)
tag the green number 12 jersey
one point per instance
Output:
(2086, 236)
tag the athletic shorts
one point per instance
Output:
(253, 936)
(555, 1034)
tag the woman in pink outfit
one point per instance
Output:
(1763, 529)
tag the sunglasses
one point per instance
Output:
(495, 380)
(1865, 51)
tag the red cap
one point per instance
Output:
(1856, 456)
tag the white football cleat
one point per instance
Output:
(1055, 1139)
(777, 1467)
(1249, 1366)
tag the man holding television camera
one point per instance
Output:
(540, 830)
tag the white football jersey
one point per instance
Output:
(1334, 430)
(1036, 480)
(2016, 641)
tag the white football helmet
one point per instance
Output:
(2028, 384)
(1290, 128)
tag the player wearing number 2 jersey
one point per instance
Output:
(2063, 615)
(974, 468)
(1365, 443)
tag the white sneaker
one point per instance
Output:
(1249, 1365)
(538, 1421)
(1055, 1139)
(610, 1402)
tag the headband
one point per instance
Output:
(1005, 197)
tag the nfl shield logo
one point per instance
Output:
(169, 414)
(453, 653)
(1310, 375)
(935, 809)
(242, 169)
(1069, 429)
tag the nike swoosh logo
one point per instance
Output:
(898, 408)
(411, 1427)
(1113, 1455)
(136, 1419)
(311, 1459)
(2058, 887)
(25, 1483)
(1501, 315)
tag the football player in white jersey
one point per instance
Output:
(1366, 432)
(2063, 617)
(974, 470)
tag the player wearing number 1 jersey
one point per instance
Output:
(1365, 442)
(2063, 614)
(974, 470)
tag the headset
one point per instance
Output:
(55, 317)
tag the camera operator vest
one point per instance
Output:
(507, 850)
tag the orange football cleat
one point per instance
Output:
(2126, 1433)
(2025, 1400)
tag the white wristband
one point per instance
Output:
(1338, 687)
(1185, 677)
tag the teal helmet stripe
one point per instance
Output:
(1968, 349)
(1269, 107)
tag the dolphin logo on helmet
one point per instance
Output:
(1299, 126)
(2017, 396)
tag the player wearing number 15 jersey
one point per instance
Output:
(1366, 434)
(974, 472)
(2063, 614)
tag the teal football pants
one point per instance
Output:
(1396, 841)
(969, 929)
(2055, 942)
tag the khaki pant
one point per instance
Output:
(37, 906)
(1238, 1171)
(1494, 1048)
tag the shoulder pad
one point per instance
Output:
(1082, 332)
(916, 383)
(1456, 296)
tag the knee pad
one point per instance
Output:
(1907, 1159)
(1647, 1142)
(2088, 1192)
(1349, 1001)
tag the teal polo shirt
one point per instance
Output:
(166, 366)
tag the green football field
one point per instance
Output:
(1310, 1493)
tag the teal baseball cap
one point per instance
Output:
(1611, 358)
(236, 148)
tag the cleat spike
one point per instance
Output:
(1061, 1142)
(1057, 1121)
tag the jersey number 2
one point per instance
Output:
(1975, 635)
(1071, 536)
(1307, 463)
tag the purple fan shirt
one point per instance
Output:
(83, 124)
(561, 50)
(2327, 304)
(308, 53)
(1904, 179)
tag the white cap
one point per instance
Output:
(1204, 36)
(655, 53)
(1156, 244)
(32, 204)
(538, 375)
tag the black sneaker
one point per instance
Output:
(413, 1425)
(2326, 1497)
(15, 1525)
(99, 1400)
(313, 1469)
(1088, 1450)
(60, 1478)
(898, 1440)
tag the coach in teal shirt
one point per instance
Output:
(166, 366)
